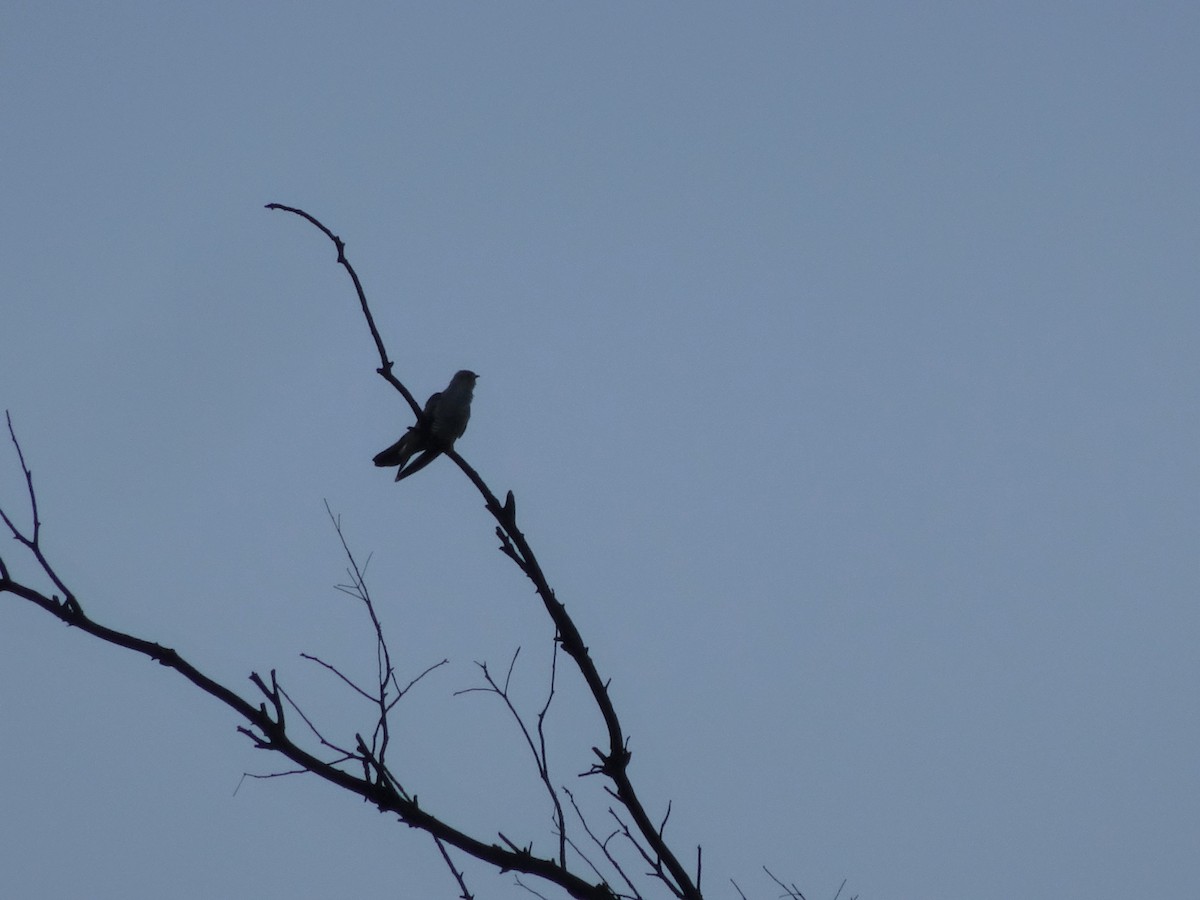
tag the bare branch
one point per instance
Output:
(385, 364)
(790, 891)
(656, 865)
(408, 687)
(508, 675)
(537, 750)
(603, 845)
(385, 672)
(265, 722)
(346, 754)
(520, 883)
(268, 731)
(458, 875)
(615, 763)
(33, 543)
(334, 669)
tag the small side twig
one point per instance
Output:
(537, 749)
(790, 891)
(386, 681)
(454, 870)
(33, 542)
(603, 846)
(656, 865)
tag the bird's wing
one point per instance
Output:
(414, 440)
(431, 404)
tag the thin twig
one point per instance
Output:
(539, 755)
(656, 865)
(334, 669)
(346, 754)
(792, 891)
(34, 543)
(385, 673)
(458, 875)
(603, 845)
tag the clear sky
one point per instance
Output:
(842, 357)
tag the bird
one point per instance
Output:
(442, 422)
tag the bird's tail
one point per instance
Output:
(397, 454)
(419, 463)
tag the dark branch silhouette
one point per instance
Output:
(266, 723)
(613, 762)
(362, 768)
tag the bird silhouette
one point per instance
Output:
(442, 422)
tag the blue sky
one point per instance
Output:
(842, 358)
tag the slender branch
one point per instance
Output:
(408, 687)
(345, 754)
(33, 543)
(656, 867)
(385, 673)
(560, 817)
(538, 753)
(522, 884)
(340, 675)
(385, 364)
(791, 891)
(603, 845)
(458, 875)
(614, 762)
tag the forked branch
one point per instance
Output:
(614, 761)
(266, 726)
